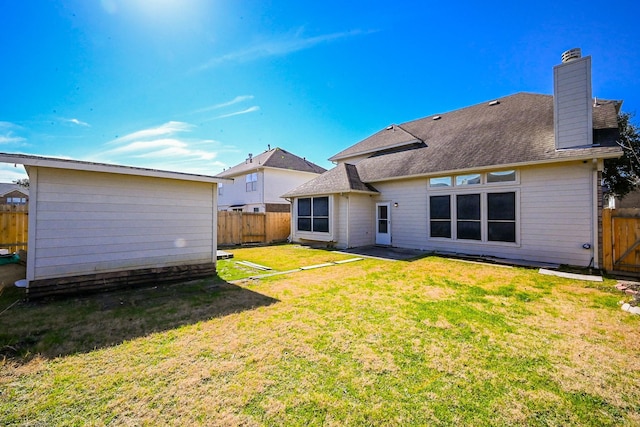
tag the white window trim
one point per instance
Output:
(313, 235)
(483, 190)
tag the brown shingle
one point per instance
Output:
(343, 178)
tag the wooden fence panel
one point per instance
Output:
(14, 227)
(621, 240)
(278, 226)
(253, 228)
(235, 228)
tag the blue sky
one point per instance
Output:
(195, 85)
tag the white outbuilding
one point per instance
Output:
(95, 226)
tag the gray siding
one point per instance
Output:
(362, 220)
(572, 102)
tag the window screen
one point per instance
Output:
(440, 213)
(501, 214)
(468, 215)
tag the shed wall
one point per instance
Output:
(92, 223)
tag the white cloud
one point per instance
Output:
(77, 122)
(8, 138)
(234, 101)
(164, 147)
(7, 134)
(278, 47)
(237, 113)
(166, 129)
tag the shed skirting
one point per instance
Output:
(88, 283)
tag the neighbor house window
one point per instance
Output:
(440, 209)
(313, 214)
(252, 181)
(220, 187)
(17, 200)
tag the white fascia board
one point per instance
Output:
(49, 162)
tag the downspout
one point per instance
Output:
(595, 237)
(348, 220)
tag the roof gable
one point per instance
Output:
(391, 137)
(274, 158)
(344, 178)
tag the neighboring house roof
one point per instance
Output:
(50, 162)
(343, 178)
(274, 158)
(6, 188)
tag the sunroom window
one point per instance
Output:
(313, 214)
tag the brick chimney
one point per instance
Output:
(573, 113)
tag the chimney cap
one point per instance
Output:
(571, 54)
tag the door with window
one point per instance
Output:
(383, 223)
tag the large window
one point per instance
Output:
(252, 181)
(313, 214)
(468, 216)
(440, 207)
(474, 207)
(473, 214)
(501, 215)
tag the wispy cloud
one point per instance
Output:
(237, 113)
(280, 46)
(76, 122)
(236, 100)
(9, 138)
(169, 128)
(167, 147)
(8, 135)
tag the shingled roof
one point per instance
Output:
(507, 132)
(274, 158)
(515, 130)
(343, 178)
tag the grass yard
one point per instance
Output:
(428, 342)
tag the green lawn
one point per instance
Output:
(428, 342)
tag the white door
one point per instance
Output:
(383, 223)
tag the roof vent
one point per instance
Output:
(389, 127)
(437, 117)
(492, 103)
(571, 54)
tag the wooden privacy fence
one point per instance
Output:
(236, 228)
(621, 240)
(14, 227)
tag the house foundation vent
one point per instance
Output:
(571, 54)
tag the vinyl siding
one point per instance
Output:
(89, 222)
(572, 99)
(554, 216)
(279, 181)
(408, 219)
(362, 220)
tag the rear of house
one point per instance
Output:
(95, 226)
(516, 177)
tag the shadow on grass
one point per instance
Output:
(62, 327)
